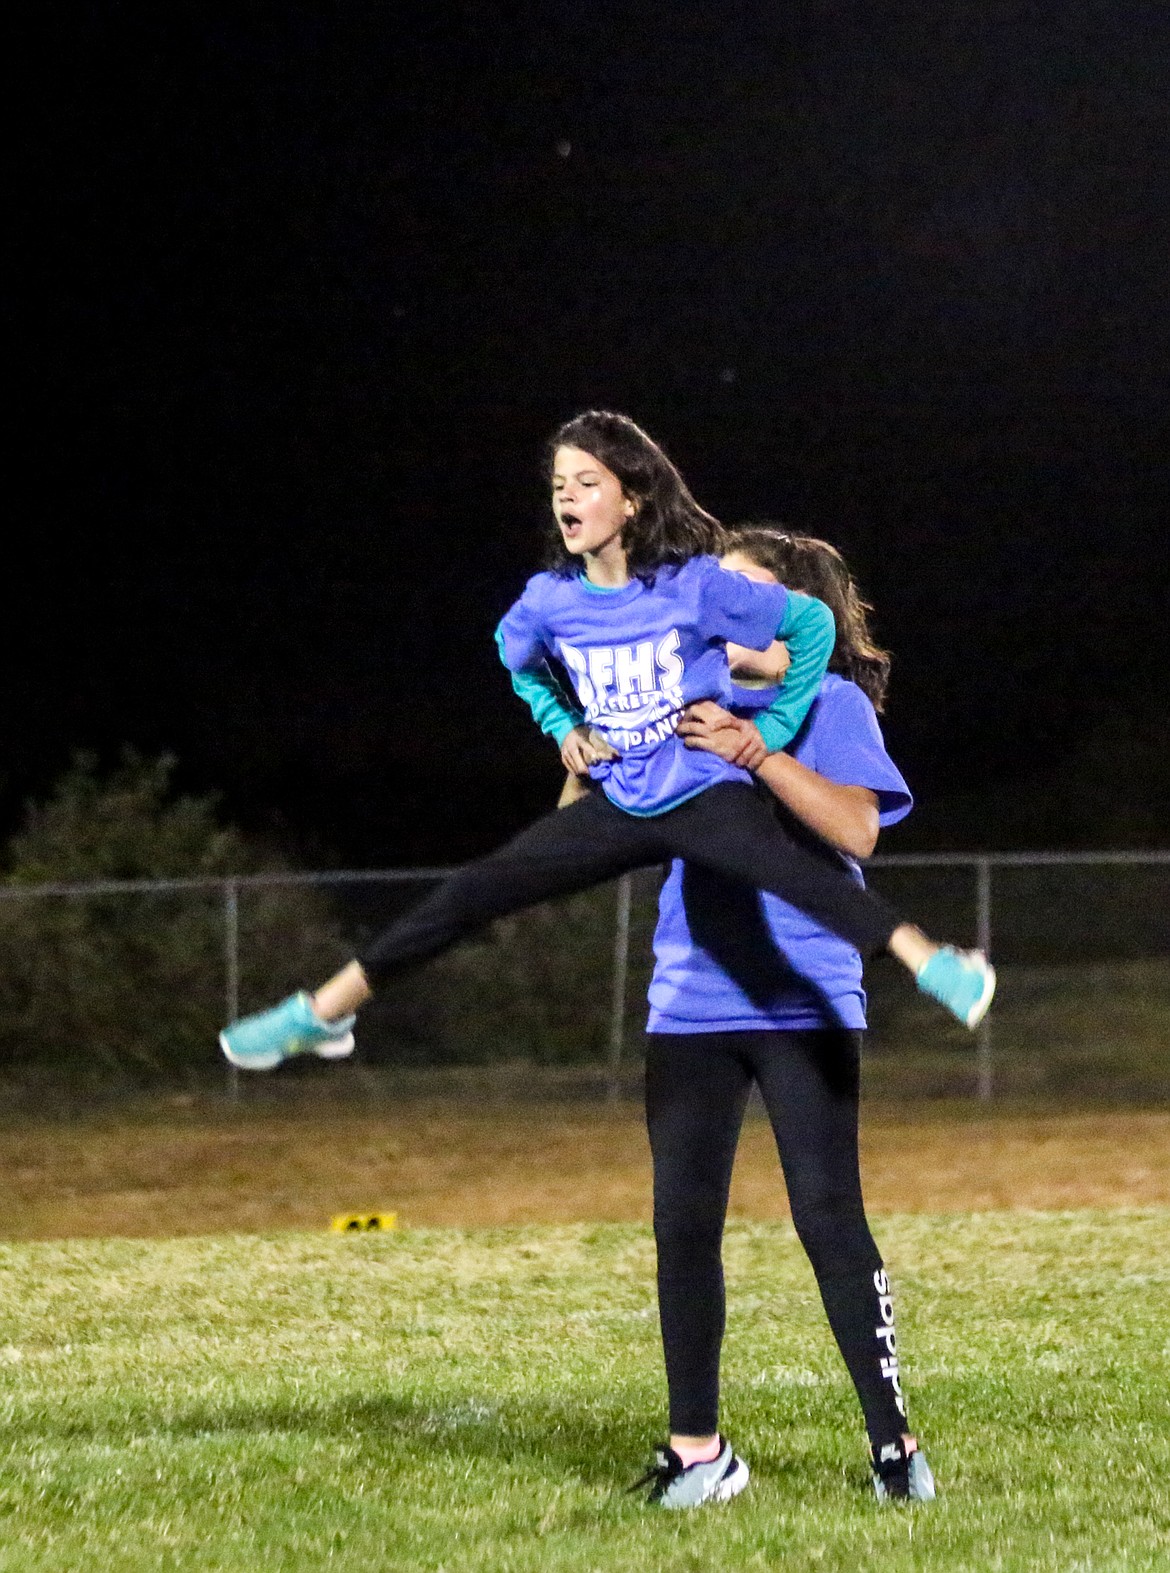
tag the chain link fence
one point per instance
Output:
(124, 983)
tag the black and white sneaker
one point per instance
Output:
(674, 1484)
(901, 1473)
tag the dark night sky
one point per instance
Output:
(307, 287)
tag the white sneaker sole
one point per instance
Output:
(731, 1485)
(336, 1048)
(330, 1049)
(977, 1012)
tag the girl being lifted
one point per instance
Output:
(638, 612)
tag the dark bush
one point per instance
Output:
(131, 987)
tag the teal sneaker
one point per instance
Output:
(263, 1041)
(962, 980)
(898, 1475)
(674, 1484)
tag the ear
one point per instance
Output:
(630, 507)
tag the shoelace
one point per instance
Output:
(894, 1473)
(659, 1475)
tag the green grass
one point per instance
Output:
(477, 1400)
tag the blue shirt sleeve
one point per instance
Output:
(740, 610)
(520, 636)
(848, 747)
(521, 641)
(811, 633)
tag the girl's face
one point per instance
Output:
(740, 562)
(754, 666)
(590, 507)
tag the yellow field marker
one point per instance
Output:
(361, 1223)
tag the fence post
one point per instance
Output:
(231, 968)
(621, 967)
(985, 1085)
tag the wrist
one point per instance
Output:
(564, 730)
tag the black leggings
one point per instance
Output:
(727, 828)
(697, 1088)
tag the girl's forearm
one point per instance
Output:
(844, 816)
(552, 710)
(810, 634)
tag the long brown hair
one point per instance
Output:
(669, 526)
(803, 562)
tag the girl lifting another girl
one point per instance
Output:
(638, 612)
(747, 989)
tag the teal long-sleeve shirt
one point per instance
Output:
(807, 628)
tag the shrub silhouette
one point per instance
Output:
(131, 987)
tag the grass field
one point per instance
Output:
(214, 1394)
(476, 1400)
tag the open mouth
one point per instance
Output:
(570, 523)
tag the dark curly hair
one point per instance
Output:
(803, 562)
(669, 527)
